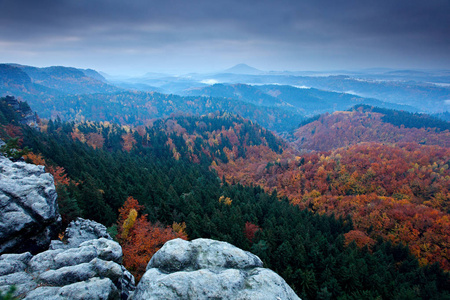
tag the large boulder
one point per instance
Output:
(208, 269)
(29, 218)
(80, 231)
(88, 266)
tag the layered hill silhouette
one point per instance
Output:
(306, 101)
(76, 94)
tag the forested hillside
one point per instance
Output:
(397, 192)
(369, 124)
(166, 168)
(38, 83)
(141, 108)
(373, 164)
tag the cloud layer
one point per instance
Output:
(179, 35)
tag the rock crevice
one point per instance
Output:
(88, 266)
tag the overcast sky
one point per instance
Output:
(179, 36)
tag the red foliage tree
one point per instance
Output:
(250, 231)
(143, 238)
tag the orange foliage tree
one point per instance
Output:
(359, 237)
(59, 174)
(140, 239)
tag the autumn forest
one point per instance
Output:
(350, 204)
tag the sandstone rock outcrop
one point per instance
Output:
(29, 218)
(208, 269)
(80, 231)
(87, 267)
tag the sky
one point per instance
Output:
(132, 37)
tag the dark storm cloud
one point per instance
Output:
(416, 28)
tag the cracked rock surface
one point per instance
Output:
(89, 270)
(29, 218)
(208, 269)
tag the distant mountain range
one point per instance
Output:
(278, 101)
(306, 101)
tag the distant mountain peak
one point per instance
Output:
(243, 69)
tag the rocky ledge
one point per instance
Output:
(88, 266)
(208, 269)
(29, 218)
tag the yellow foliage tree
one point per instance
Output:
(129, 223)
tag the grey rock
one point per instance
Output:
(67, 275)
(11, 267)
(57, 244)
(30, 217)
(44, 293)
(22, 257)
(13, 263)
(75, 256)
(106, 249)
(43, 261)
(179, 255)
(91, 270)
(95, 288)
(199, 284)
(126, 283)
(80, 231)
(23, 281)
(208, 269)
(107, 269)
(81, 272)
(87, 265)
(266, 284)
(15, 278)
(21, 288)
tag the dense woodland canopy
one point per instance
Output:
(399, 192)
(381, 174)
(166, 168)
(368, 124)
